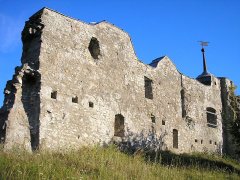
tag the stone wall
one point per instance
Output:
(230, 114)
(88, 82)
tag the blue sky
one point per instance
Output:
(157, 28)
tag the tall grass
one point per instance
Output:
(104, 163)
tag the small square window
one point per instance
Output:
(163, 122)
(75, 99)
(215, 143)
(210, 142)
(196, 140)
(54, 94)
(91, 104)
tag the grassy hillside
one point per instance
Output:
(109, 163)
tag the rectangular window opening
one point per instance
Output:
(54, 94)
(91, 104)
(196, 140)
(175, 138)
(148, 88)
(163, 122)
(183, 103)
(211, 117)
(119, 125)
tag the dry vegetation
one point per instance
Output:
(109, 163)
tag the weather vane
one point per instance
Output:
(203, 43)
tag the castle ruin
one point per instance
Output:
(81, 84)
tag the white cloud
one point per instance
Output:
(10, 32)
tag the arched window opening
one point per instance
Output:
(94, 48)
(175, 138)
(211, 117)
(119, 125)
(210, 109)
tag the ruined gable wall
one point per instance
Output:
(115, 84)
(21, 107)
(21, 103)
(15, 119)
(112, 83)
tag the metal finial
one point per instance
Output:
(204, 43)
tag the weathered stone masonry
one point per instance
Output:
(82, 84)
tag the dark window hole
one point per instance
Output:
(148, 88)
(91, 104)
(75, 99)
(119, 125)
(175, 138)
(153, 118)
(54, 94)
(94, 48)
(30, 79)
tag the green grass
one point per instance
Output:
(109, 163)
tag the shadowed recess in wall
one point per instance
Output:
(31, 103)
(133, 143)
(119, 125)
(94, 48)
(3, 117)
(31, 38)
(8, 103)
